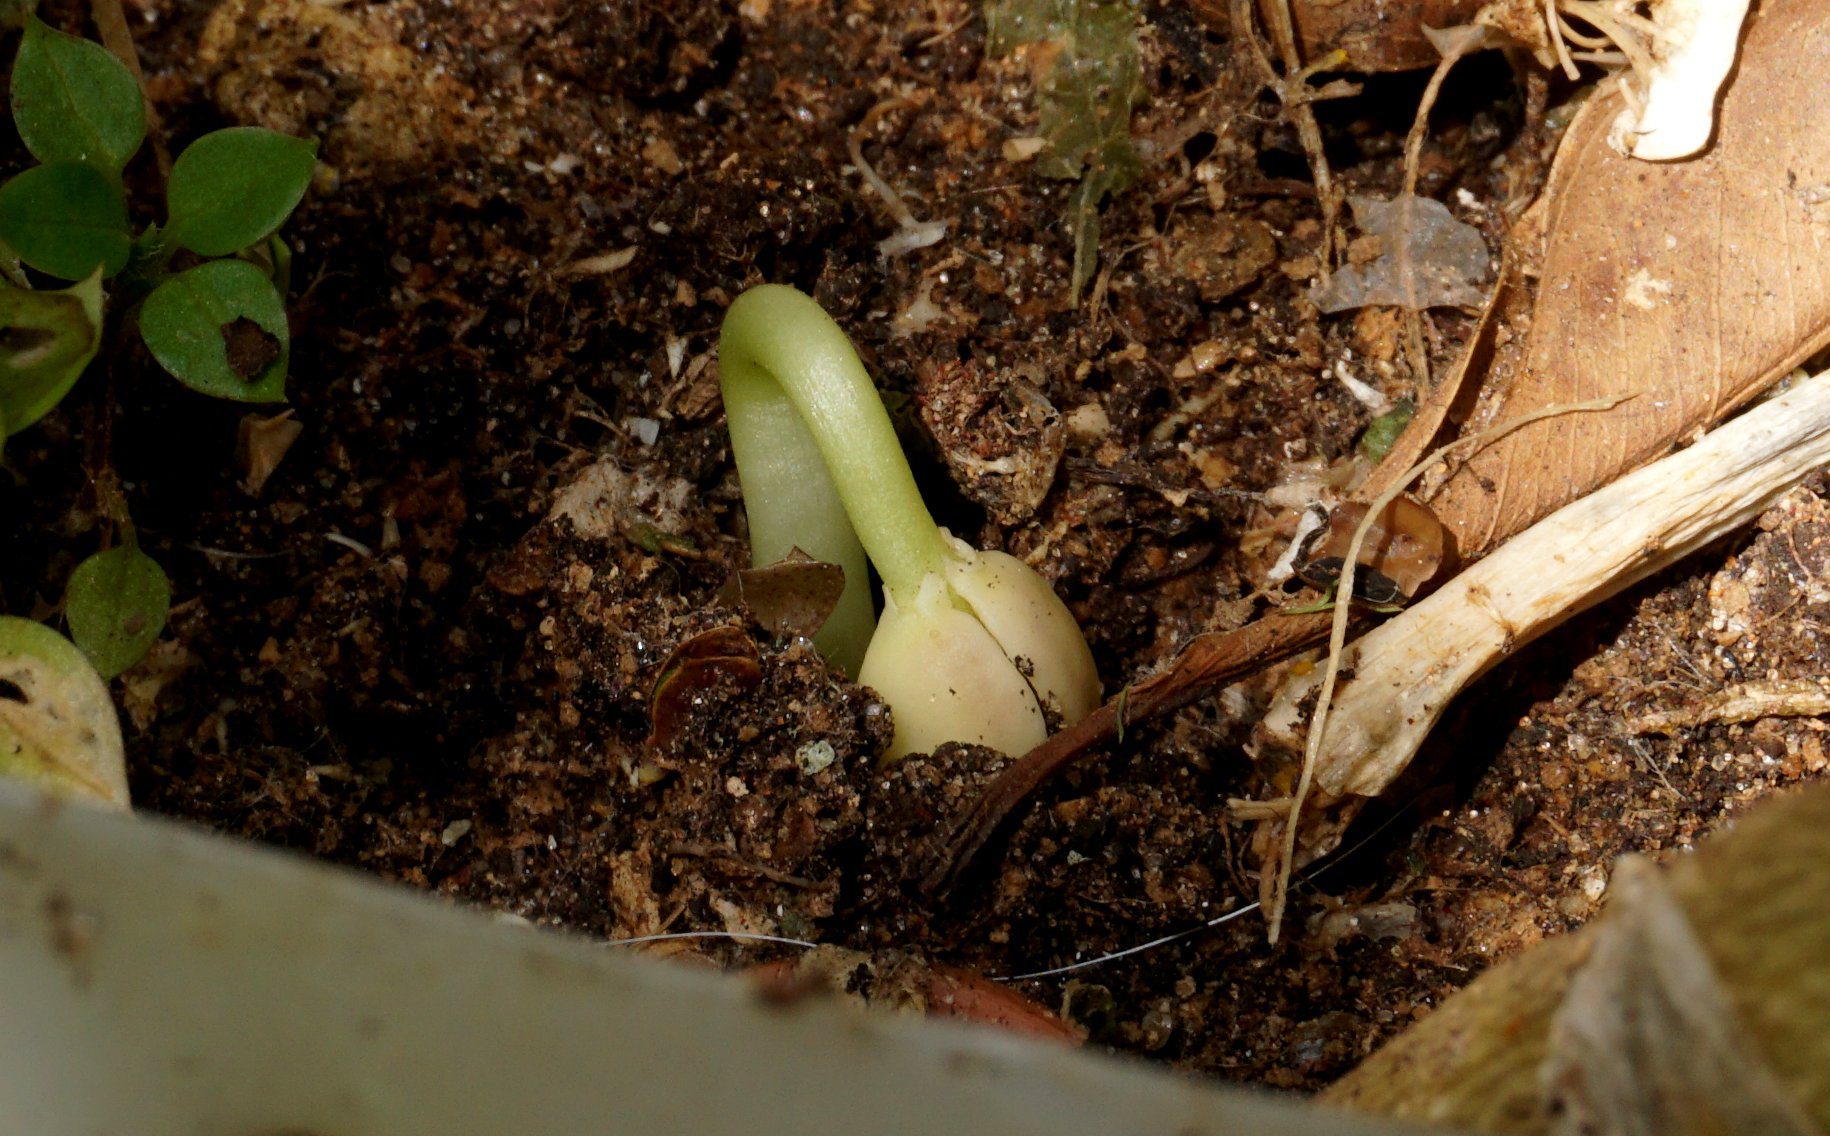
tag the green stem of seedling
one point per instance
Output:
(819, 458)
(146, 267)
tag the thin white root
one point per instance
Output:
(1743, 702)
(910, 234)
(1405, 672)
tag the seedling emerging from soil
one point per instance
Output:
(973, 645)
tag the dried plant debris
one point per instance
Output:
(793, 597)
(1444, 266)
(1405, 672)
(261, 442)
(896, 982)
(1088, 78)
(1742, 702)
(1375, 35)
(1691, 1007)
(1001, 437)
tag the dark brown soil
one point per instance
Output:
(429, 647)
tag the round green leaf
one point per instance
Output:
(233, 187)
(116, 602)
(73, 101)
(46, 339)
(64, 219)
(220, 328)
(57, 724)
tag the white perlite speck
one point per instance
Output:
(815, 756)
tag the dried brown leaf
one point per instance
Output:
(260, 444)
(722, 659)
(1693, 286)
(792, 597)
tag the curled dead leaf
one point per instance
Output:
(1404, 549)
(261, 441)
(722, 657)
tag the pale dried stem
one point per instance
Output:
(1631, 42)
(1337, 638)
(1413, 156)
(1743, 702)
(1406, 671)
(1554, 24)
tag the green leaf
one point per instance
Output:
(233, 187)
(116, 602)
(57, 723)
(220, 328)
(46, 339)
(74, 102)
(64, 219)
(1382, 432)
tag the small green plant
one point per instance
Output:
(203, 287)
(1086, 97)
(973, 645)
(218, 326)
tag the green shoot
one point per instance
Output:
(116, 603)
(817, 452)
(973, 645)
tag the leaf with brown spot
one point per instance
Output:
(792, 597)
(1692, 285)
(250, 348)
(723, 656)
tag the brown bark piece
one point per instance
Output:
(1694, 285)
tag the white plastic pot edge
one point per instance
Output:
(156, 979)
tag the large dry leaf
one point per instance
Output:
(1693, 285)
